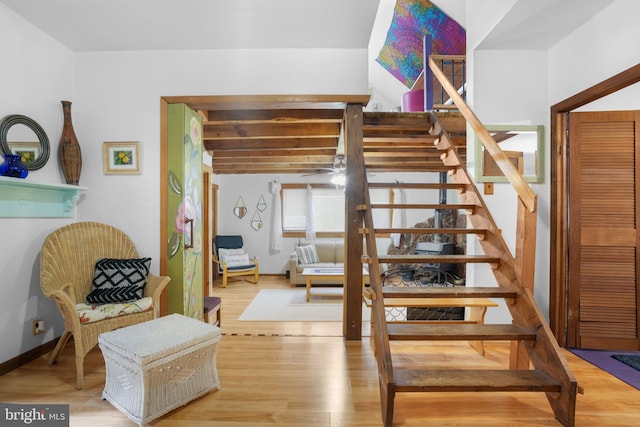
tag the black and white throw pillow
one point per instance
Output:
(119, 280)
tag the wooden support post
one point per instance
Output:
(525, 263)
(354, 195)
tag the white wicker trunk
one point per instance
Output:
(159, 365)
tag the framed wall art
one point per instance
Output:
(523, 146)
(121, 157)
(28, 151)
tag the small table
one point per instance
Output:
(326, 273)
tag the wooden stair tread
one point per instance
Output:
(461, 332)
(447, 292)
(432, 259)
(415, 185)
(428, 380)
(432, 230)
(422, 206)
(437, 302)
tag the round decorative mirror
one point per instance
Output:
(22, 141)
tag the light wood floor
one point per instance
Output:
(304, 374)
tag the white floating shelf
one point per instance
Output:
(20, 198)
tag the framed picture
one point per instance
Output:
(28, 151)
(121, 157)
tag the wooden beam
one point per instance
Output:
(271, 130)
(217, 117)
(270, 143)
(354, 196)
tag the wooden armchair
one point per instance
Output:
(68, 261)
(232, 260)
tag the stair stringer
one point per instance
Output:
(545, 353)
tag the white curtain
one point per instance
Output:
(276, 218)
(399, 215)
(310, 227)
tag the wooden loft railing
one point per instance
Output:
(453, 67)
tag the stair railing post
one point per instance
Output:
(524, 267)
(427, 49)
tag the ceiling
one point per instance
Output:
(540, 24)
(123, 25)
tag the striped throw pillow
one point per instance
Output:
(307, 254)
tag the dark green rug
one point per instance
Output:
(632, 360)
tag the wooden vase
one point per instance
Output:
(69, 153)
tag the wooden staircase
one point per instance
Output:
(422, 142)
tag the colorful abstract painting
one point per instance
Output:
(401, 54)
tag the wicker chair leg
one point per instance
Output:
(62, 341)
(79, 369)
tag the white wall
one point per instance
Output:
(603, 47)
(116, 97)
(36, 74)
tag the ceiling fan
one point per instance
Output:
(338, 171)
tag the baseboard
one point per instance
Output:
(24, 358)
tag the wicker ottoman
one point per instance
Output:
(159, 365)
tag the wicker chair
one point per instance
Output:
(68, 260)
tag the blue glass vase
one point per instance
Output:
(13, 167)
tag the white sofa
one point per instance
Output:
(330, 254)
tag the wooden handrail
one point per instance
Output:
(522, 187)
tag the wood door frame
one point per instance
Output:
(558, 254)
(207, 286)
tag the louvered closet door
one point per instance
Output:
(603, 230)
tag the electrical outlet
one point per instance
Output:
(37, 327)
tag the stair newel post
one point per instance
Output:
(524, 268)
(427, 50)
(354, 191)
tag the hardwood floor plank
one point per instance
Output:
(301, 374)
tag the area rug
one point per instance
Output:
(632, 360)
(605, 360)
(284, 305)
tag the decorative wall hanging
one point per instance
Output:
(121, 158)
(69, 153)
(240, 209)
(34, 155)
(401, 54)
(262, 204)
(256, 221)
